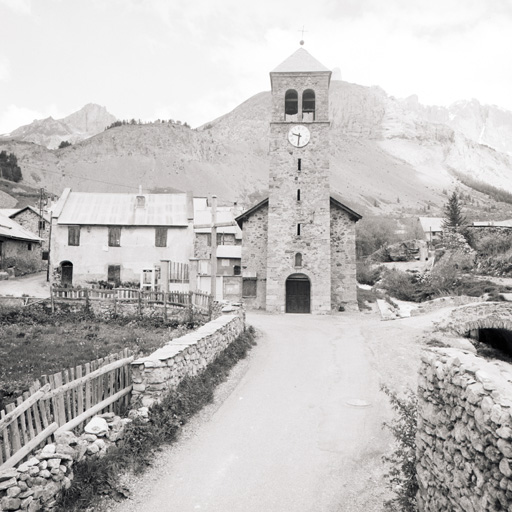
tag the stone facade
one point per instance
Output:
(292, 229)
(25, 257)
(29, 220)
(254, 256)
(343, 261)
(37, 483)
(464, 436)
(186, 356)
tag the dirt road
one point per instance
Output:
(32, 285)
(302, 429)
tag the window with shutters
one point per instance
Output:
(161, 237)
(73, 235)
(249, 287)
(114, 236)
(114, 274)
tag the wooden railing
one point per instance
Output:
(62, 402)
(119, 295)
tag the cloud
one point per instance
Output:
(18, 6)
(13, 116)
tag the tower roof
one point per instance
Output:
(299, 62)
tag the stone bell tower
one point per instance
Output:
(299, 248)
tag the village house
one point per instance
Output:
(298, 249)
(229, 250)
(20, 250)
(119, 237)
(432, 228)
(35, 222)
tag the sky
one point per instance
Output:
(195, 60)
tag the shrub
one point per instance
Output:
(367, 274)
(401, 285)
(100, 477)
(373, 233)
(402, 461)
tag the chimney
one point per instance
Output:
(141, 199)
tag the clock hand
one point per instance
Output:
(298, 135)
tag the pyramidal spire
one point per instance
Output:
(299, 62)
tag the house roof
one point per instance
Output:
(82, 208)
(431, 224)
(299, 62)
(8, 211)
(493, 223)
(17, 211)
(11, 229)
(335, 200)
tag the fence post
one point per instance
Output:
(52, 301)
(165, 306)
(191, 306)
(114, 296)
(140, 303)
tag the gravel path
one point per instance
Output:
(287, 431)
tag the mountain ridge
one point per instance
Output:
(387, 155)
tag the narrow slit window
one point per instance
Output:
(298, 194)
(298, 260)
(299, 164)
(298, 229)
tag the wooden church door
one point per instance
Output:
(298, 294)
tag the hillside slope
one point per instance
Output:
(388, 155)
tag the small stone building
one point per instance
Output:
(20, 249)
(298, 249)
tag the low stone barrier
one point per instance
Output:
(464, 436)
(186, 356)
(37, 483)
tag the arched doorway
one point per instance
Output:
(66, 273)
(298, 294)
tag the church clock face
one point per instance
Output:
(298, 136)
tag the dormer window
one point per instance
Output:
(291, 105)
(308, 105)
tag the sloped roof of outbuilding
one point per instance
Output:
(431, 224)
(11, 229)
(83, 208)
(300, 62)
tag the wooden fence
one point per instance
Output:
(202, 301)
(63, 402)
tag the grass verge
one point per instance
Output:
(34, 342)
(96, 478)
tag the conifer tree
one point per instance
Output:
(453, 217)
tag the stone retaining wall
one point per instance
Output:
(464, 437)
(37, 483)
(186, 356)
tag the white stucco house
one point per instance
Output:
(116, 237)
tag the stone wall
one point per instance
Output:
(186, 356)
(36, 483)
(25, 257)
(343, 261)
(254, 255)
(106, 309)
(464, 437)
